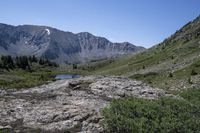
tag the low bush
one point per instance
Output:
(193, 72)
(192, 95)
(141, 116)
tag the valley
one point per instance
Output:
(120, 87)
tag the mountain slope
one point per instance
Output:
(58, 45)
(168, 65)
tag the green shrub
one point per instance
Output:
(193, 72)
(190, 80)
(74, 66)
(192, 95)
(170, 74)
(197, 63)
(141, 116)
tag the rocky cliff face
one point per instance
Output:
(57, 45)
(67, 105)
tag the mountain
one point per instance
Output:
(59, 46)
(172, 65)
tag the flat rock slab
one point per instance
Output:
(67, 105)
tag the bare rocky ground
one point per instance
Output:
(67, 105)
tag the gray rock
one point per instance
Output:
(5, 127)
(62, 106)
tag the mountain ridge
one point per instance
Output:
(59, 46)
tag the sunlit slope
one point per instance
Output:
(162, 63)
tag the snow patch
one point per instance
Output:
(48, 31)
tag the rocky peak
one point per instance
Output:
(59, 46)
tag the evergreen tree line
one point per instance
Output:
(23, 62)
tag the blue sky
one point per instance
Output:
(141, 22)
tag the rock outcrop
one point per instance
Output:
(67, 105)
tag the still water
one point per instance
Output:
(66, 76)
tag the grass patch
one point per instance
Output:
(148, 77)
(167, 79)
(18, 78)
(24, 79)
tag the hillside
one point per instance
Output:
(81, 105)
(175, 61)
(59, 46)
